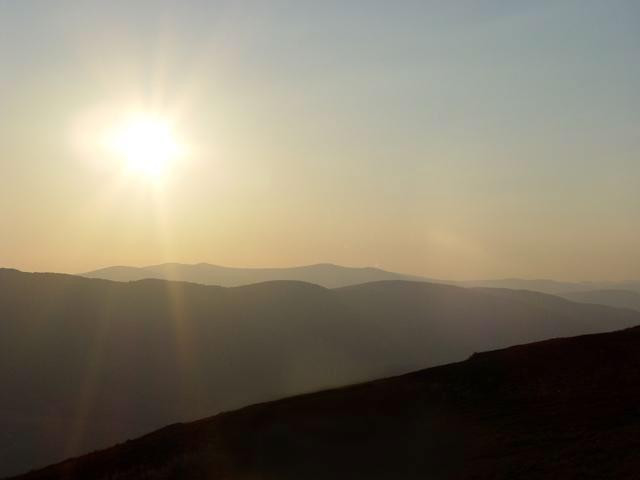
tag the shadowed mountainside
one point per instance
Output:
(326, 275)
(87, 363)
(563, 408)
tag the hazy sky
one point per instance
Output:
(464, 139)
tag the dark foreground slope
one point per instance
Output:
(563, 408)
(86, 363)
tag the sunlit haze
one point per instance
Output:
(146, 144)
(456, 140)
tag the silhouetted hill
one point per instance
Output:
(612, 298)
(563, 408)
(326, 275)
(86, 363)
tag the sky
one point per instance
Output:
(452, 139)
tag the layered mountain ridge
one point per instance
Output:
(615, 294)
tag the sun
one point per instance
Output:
(146, 144)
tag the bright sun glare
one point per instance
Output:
(147, 145)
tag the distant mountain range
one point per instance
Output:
(324, 274)
(564, 408)
(334, 276)
(85, 363)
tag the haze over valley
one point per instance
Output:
(182, 351)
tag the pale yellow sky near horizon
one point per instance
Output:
(455, 142)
